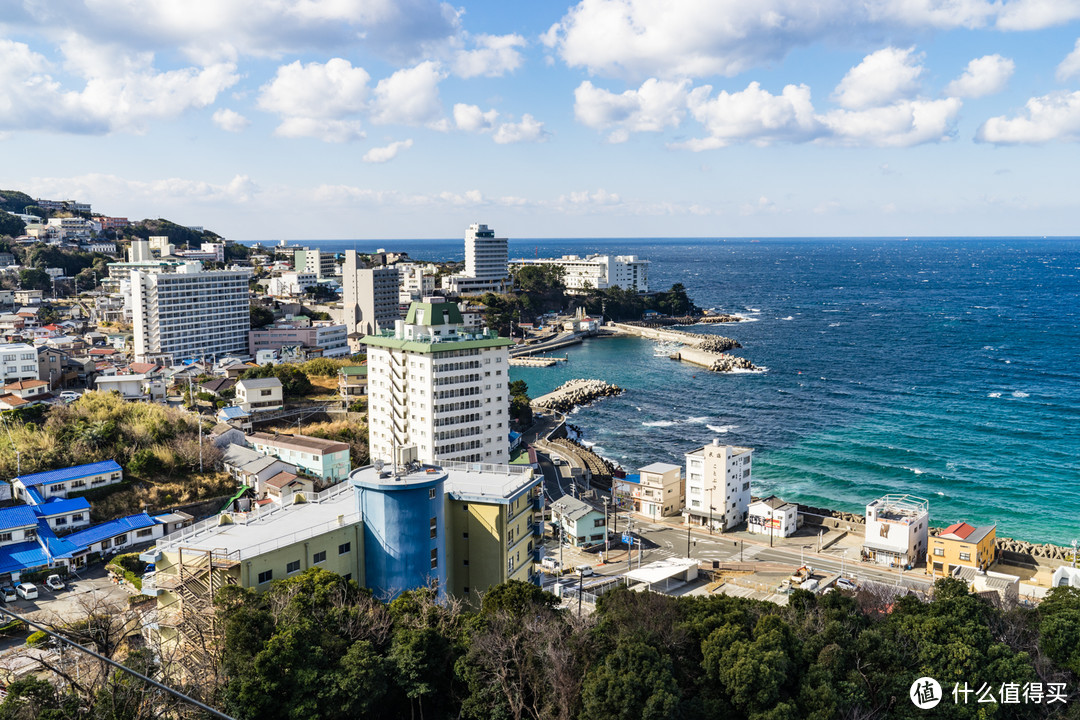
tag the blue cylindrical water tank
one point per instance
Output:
(404, 529)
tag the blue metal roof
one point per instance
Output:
(71, 473)
(18, 516)
(21, 557)
(33, 496)
(82, 539)
(62, 507)
(57, 547)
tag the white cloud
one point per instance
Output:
(983, 76)
(753, 115)
(230, 120)
(332, 131)
(1036, 14)
(1070, 66)
(387, 153)
(902, 124)
(657, 104)
(31, 99)
(528, 130)
(410, 96)
(881, 78)
(1051, 117)
(333, 89)
(104, 190)
(495, 56)
(471, 118)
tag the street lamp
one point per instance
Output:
(711, 508)
(607, 535)
(802, 554)
(842, 558)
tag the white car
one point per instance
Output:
(585, 570)
(54, 583)
(70, 396)
(845, 584)
(27, 591)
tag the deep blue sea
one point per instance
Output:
(945, 368)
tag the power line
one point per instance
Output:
(161, 686)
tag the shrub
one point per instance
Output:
(37, 639)
(12, 627)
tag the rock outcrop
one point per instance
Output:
(574, 393)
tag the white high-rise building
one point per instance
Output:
(486, 264)
(438, 388)
(190, 314)
(718, 485)
(369, 296)
(597, 272)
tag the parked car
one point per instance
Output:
(8, 594)
(69, 396)
(27, 591)
(549, 563)
(845, 584)
(54, 583)
(585, 570)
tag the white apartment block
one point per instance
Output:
(897, 530)
(18, 361)
(438, 388)
(486, 264)
(291, 284)
(317, 262)
(417, 283)
(190, 313)
(369, 296)
(718, 486)
(598, 272)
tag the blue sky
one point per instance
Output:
(267, 119)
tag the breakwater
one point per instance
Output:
(701, 341)
(716, 362)
(708, 318)
(574, 393)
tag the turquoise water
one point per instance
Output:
(946, 368)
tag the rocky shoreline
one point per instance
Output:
(707, 318)
(573, 393)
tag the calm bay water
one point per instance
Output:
(943, 368)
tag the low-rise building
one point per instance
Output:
(27, 389)
(327, 460)
(997, 587)
(133, 387)
(579, 523)
(256, 395)
(659, 492)
(18, 361)
(59, 483)
(772, 516)
(352, 382)
(962, 545)
(897, 528)
(251, 468)
(331, 339)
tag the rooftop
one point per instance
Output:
(735, 449)
(71, 473)
(659, 468)
(83, 538)
(775, 503)
(572, 508)
(269, 527)
(24, 384)
(967, 533)
(18, 516)
(256, 383)
(900, 507)
(300, 442)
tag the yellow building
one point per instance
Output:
(961, 545)
(494, 529)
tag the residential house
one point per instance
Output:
(352, 382)
(718, 486)
(173, 521)
(58, 483)
(259, 394)
(579, 523)
(327, 460)
(897, 528)
(28, 390)
(999, 588)
(110, 537)
(133, 387)
(659, 492)
(217, 386)
(52, 366)
(18, 361)
(282, 487)
(28, 297)
(64, 515)
(251, 468)
(961, 545)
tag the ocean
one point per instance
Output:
(943, 368)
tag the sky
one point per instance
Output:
(384, 119)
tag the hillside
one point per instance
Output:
(179, 235)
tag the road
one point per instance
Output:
(561, 340)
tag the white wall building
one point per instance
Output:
(772, 516)
(291, 284)
(18, 361)
(417, 283)
(897, 530)
(486, 265)
(319, 263)
(659, 492)
(718, 486)
(598, 272)
(435, 386)
(369, 296)
(190, 313)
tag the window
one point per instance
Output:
(344, 548)
(465, 590)
(319, 556)
(965, 556)
(466, 562)
(434, 559)
(292, 567)
(434, 527)
(266, 576)
(5, 537)
(937, 567)
(61, 521)
(598, 522)
(465, 535)
(145, 532)
(431, 494)
(939, 551)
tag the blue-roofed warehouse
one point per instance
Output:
(58, 483)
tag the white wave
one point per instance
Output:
(722, 429)
(834, 324)
(1008, 362)
(743, 317)
(597, 449)
(742, 371)
(659, 423)
(697, 420)
(917, 471)
(941, 493)
(637, 408)
(750, 309)
(989, 347)
(789, 317)
(1019, 394)
(994, 395)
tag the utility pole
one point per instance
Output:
(580, 590)
(710, 510)
(688, 538)
(607, 535)
(1074, 553)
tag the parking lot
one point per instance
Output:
(90, 589)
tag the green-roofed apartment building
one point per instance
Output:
(438, 387)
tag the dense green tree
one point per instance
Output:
(10, 225)
(34, 279)
(13, 201)
(260, 316)
(293, 380)
(635, 682)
